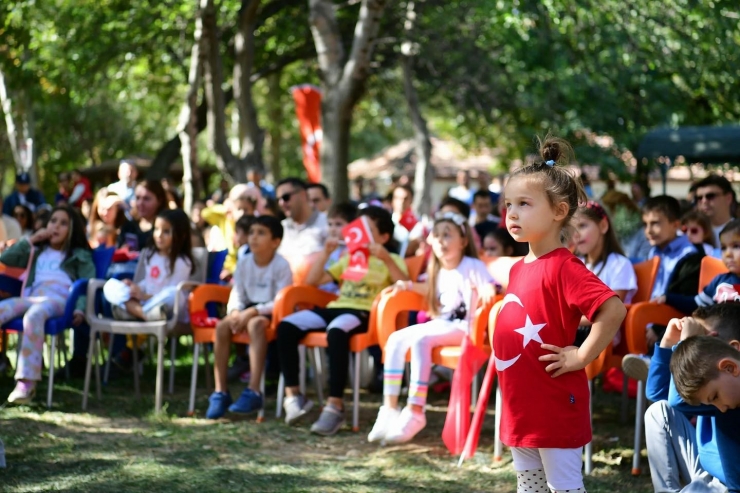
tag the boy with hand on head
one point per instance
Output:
(684, 457)
(259, 276)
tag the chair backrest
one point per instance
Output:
(710, 268)
(499, 268)
(414, 265)
(216, 262)
(200, 256)
(646, 273)
(102, 258)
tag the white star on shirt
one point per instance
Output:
(530, 331)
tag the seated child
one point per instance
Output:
(698, 229)
(259, 276)
(347, 315)
(338, 216)
(454, 271)
(680, 453)
(724, 287)
(166, 262)
(499, 243)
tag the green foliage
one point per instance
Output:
(105, 78)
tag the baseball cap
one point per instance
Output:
(23, 178)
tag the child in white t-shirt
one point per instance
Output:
(597, 245)
(166, 262)
(259, 277)
(453, 271)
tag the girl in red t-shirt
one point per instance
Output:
(545, 417)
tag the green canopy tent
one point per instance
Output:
(707, 145)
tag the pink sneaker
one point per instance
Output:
(23, 393)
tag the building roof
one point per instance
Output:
(400, 159)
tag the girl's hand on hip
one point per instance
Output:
(563, 359)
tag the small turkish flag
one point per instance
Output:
(357, 234)
(408, 220)
(358, 265)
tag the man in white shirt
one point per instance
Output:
(305, 229)
(126, 184)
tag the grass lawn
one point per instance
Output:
(119, 445)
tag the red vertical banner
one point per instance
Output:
(308, 110)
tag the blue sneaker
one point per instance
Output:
(248, 402)
(218, 402)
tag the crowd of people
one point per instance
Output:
(563, 306)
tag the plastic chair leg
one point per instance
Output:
(50, 390)
(588, 463)
(639, 418)
(173, 354)
(91, 354)
(137, 388)
(160, 375)
(474, 390)
(280, 396)
(302, 368)
(356, 392)
(497, 445)
(98, 385)
(318, 374)
(193, 380)
(209, 374)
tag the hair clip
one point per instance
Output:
(456, 218)
(595, 206)
(550, 163)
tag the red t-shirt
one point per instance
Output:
(543, 304)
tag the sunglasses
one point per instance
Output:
(285, 198)
(709, 197)
(691, 231)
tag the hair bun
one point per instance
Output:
(555, 149)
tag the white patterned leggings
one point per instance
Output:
(36, 310)
(421, 339)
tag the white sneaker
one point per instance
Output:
(387, 416)
(295, 408)
(408, 424)
(636, 366)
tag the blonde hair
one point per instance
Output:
(559, 184)
(434, 265)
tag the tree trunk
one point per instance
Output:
(424, 174)
(336, 126)
(251, 136)
(10, 127)
(226, 162)
(275, 115)
(188, 122)
(342, 83)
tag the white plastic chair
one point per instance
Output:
(160, 329)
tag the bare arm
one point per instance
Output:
(606, 323)
(621, 293)
(318, 275)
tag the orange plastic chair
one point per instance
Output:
(296, 298)
(638, 317)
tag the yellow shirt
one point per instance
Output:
(216, 215)
(359, 295)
